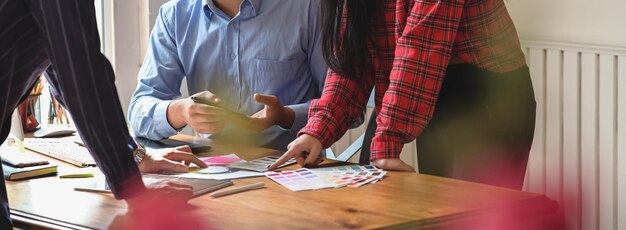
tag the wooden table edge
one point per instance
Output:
(27, 220)
(543, 203)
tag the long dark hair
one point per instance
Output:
(346, 32)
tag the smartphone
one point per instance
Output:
(236, 116)
(196, 148)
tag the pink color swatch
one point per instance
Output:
(220, 160)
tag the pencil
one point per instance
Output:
(238, 189)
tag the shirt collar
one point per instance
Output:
(208, 7)
(255, 4)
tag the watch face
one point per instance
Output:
(139, 153)
(138, 158)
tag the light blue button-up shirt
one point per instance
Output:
(270, 47)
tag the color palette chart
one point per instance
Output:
(352, 175)
(299, 180)
(333, 177)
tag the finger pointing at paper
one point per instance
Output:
(305, 149)
(169, 160)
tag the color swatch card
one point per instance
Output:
(221, 160)
(259, 165)
(352, 178)
(348, 168)
(372, 177)
(352, 175)
(300, 180)
(334, 177)
(342, 180)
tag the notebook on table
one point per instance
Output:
(13, 173)
(200, 186)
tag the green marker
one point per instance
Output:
(78, 173)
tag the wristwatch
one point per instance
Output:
(139, 153)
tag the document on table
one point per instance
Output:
(221, 162)
(231, 174)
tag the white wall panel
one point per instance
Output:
(554, 154)
(536, 160)
(589, 140)
(621, 142)
(571, 138)
(606, 142)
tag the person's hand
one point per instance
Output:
(273, 113)
(175, 160)
(164, 193)
(201, 117)
(305, 149)
(393, 164)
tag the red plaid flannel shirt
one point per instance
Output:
(415, 45)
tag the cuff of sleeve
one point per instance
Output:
(318, 130)
(163, 127)
(301, 112)
(383, 149)
(131, 187)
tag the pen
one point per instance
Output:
(239, 189)
(80, 143)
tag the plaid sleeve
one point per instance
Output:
(421, 58)
(340, 105)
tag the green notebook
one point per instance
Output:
(12, 173)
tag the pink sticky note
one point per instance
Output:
(220, 160)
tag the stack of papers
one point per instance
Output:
(261, 164)
(232, 167)
(215, 166)
(321, 178)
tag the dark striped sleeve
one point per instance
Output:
(84, 78)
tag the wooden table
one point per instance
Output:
(401, 200)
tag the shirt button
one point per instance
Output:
(233, 56)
